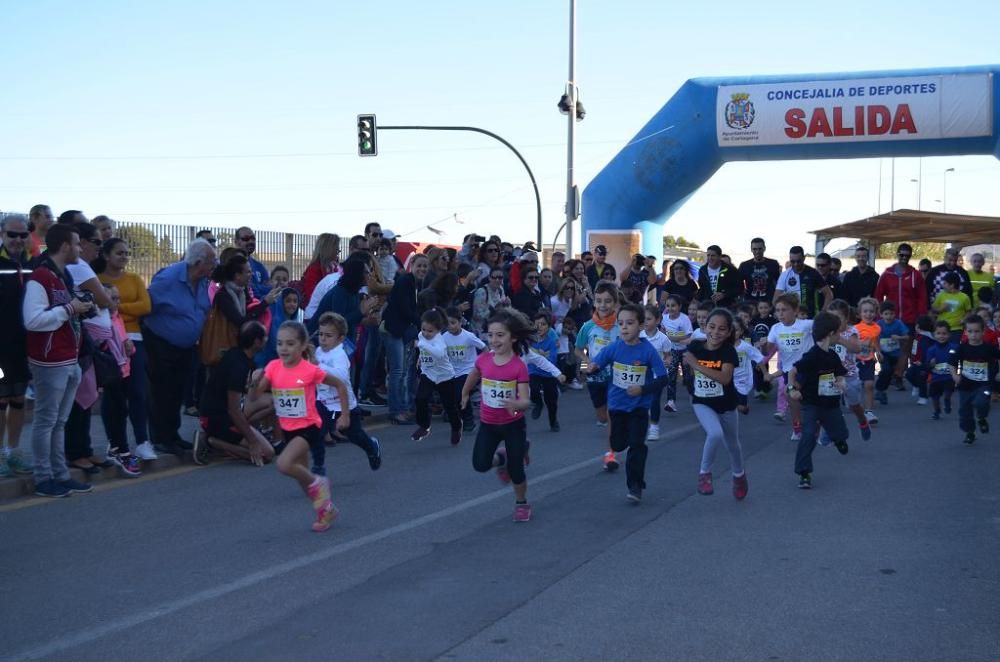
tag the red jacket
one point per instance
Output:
(53, 335)
(908, 292)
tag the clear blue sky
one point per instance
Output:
(228, 113)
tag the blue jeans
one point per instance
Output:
(972, 403)
(399, 355)
(137, 411)
(55, 390)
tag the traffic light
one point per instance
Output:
(366, 136)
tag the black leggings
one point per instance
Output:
(449, 400)
(546, 388)
(114, 414)
(515, 438)
(458, 385)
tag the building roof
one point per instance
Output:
(913, 225)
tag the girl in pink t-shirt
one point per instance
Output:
(292, 381)
(505, 396)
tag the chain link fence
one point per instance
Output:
(155, 245)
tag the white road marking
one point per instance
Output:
(127, 622)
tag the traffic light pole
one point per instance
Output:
(538, 198)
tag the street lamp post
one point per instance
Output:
(944, 189)
(572, 213)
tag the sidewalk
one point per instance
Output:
(20, 486)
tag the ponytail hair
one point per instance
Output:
(436, 317)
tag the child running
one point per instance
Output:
(630, 394)
(868, 333)
(504, 397)
(891, 333)
(713, 361)
(596, 334)
(436, 374)
(952, 305)
(847, 347)
(792, 337)
(918, 373)
(743, 376)
(661, 343)
(679, 330)
(973, 369)
(817, 381)
(333, 358)
(463, 346)
(544, 387)
(937, 360)
(292, 381)
(760, 326)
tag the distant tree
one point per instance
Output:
(669, 241)
(141, 241)
(921, 249)
(684, 243)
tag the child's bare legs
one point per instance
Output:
(293, 462)
(859, 413)
(869, 399)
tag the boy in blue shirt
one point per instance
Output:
(936, 360)
(893, 332)
(630, 392)
(596, 334)
(544, 385)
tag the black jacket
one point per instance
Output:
(529, 302)
(13, 337)
(859, 285)
(401, 317)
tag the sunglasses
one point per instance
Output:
(250, 238)
(375, 234)
(17, 235)
(496, 277)
(531, 278)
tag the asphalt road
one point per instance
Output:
(892, 556)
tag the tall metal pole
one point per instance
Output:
(892, 186)
(572, 213)
(920, 181)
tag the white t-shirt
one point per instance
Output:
(559, 308)
(743, 374)
(433, 359)
(713, 277)
(792, 341)
(322, 287)
(81, 273)
(660, 343)
(790, 282)
(698, 334)
(335, 362)
(678, 328)
(462, 350)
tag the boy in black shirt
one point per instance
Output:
(974, 367)
(760, 326)
(817, 380)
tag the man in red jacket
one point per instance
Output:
(52, 321)
(904, 286)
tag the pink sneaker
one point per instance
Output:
(705, 484)
(740, 486)
(319, 492)
(324, 517)
(522, 512)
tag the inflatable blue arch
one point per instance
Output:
(709, 121)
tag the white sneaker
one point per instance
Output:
(602, 424)
(796, 436)
(144, 451)
(575, 385)
(778, 416)
(921, 401)
(654, 432)
(871, 417)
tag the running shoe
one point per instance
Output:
(319, 492)
(16, 463)
(841, 447)
(554, 427)
(52, 489)
(881, 397)
(75, 486)
(502, 472)
(456, 436)
(936, 416)
(602, 424)
(824, 438)
(805, 482)
(201, 447)
(866, 431)
(420, 434)
(779, 416)
(654, 432)
(576, 386)
(947, 406)
(634, 494)
(536, 411)
(970, 438)
(145, 451)
(522, 512)
(671, 406)
(610, 463)
(128, 465)
(324, 517)
(375, 459)
(374, 400)
(871, 417)
(740, 486)
(796, 432)
(705, 484)
(921, 401)
(898, 383)
(984, 426)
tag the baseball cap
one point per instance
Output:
(530, 246)
(528, 255)
(388, 234)
(601, 249)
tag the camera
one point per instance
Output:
(87, 297)
(479, 239)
